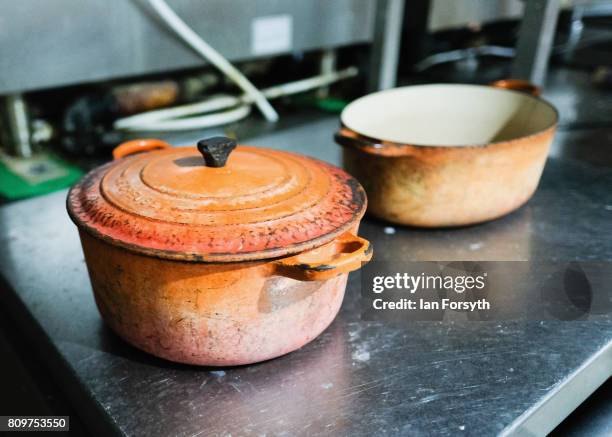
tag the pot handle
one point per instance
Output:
(344, 137)
(518, 85)
(138, 146)
(347, 138)
(343, 255)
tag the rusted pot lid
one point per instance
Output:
(174, 204)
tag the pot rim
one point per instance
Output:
(343, 254)
(331, 211)
(217, 258)
(380, 143)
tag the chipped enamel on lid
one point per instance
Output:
(262, 204)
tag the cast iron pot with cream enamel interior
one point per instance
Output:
(218, 255)
(447, 154)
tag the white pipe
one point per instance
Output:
(154, 120)
(214, 57)
(215, 103)
(201, 122)
(299, 86)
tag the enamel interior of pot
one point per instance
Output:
(448, 115)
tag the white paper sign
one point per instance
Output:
(271, 34)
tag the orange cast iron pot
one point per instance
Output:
(220, 255)
(447, 154)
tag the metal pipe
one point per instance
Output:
(327, 65)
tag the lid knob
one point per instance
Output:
(216, 150)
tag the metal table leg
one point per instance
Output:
(16, 126)
(535, 40)
(386, 45)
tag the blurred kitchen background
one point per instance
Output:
(74, 74)
(77, 77)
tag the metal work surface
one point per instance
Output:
(357, 378)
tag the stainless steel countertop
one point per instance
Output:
(357, 378)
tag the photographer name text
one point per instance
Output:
(433, 285)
